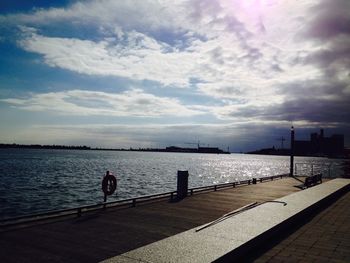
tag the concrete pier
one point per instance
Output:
(234, 237)
(107, 233)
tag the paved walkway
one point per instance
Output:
(325, 238)
(101, 235)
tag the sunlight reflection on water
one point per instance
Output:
(40, 180)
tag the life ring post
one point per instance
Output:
(109, 185)
(104, 200)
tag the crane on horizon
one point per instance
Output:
(197, 143)
(282, 139)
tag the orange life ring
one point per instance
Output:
(109, 184)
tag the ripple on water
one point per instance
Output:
(33, 181)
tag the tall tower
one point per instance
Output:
(321, 142)
(291, 173)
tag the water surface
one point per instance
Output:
(37, 180)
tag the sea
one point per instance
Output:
(40, 180)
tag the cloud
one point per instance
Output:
(136, 56)
(321, 104)
(133, 103)
(248, 61)
(330, 20)
(328, 30)
(139, 15)
(211, 41)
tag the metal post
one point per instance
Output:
(104, 201)
(291, 151)
(182, 184)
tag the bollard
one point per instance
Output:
(254, 180)
(182, 184)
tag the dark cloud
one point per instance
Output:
(322, 111)
(253, 54)
(324, 99)
(336, 55)
(330, 27)
(276, 68)
(332, 19)
(321, 103)
(315, 88)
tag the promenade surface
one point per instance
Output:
(108, 233)
(325, 238)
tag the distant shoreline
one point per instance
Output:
(87, 148)
(212, 150)
(286, 152)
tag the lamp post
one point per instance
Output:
(291, 151)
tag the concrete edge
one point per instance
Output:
(239, 254)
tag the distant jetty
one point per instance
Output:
(213, 150)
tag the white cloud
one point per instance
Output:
(222, 67)
(232, 49)
(242, 53)
(141, 58)
(133, 103)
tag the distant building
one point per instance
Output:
(209, 150)
(195, 150)
(319, 145)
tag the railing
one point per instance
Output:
(87, 208)
(77, 211)
(312, 168)
(234, 184)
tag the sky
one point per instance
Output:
(154, 73)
